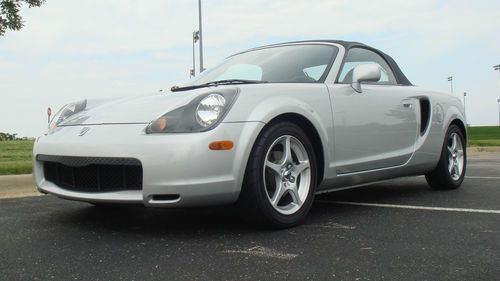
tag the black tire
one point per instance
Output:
(254, 201)
(440, 177)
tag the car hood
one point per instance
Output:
(139, 109)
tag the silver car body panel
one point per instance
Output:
(172, 164)
(366, 137)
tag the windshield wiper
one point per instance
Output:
(217, 83)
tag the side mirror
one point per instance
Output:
(365, 73)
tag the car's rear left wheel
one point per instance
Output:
(450, 171)
(281, 177)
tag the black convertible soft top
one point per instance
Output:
(400, 77)
(402, 80)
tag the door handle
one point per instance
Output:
(407, 104)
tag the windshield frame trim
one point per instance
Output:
(324, 77)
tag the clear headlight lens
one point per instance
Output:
(203, 113)
(67, 111)
(209, 109)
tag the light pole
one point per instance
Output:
(450, 79)
(497, 67)
(498, 100)
(200, 36)
(196, 37)
(465, 109)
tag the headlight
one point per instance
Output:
(201, 114)
(209, 109)
(67, 111)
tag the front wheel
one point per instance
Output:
(450, 171)
(281, 177)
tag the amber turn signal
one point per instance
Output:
(221, 145)
(160, 124)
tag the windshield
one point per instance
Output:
(281, 64)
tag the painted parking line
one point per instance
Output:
(470, 177)
(464, 210)
(477, 177)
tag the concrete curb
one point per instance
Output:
(15, 186)
(483, 149)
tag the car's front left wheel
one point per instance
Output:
(281, 177)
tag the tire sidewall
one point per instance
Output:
(263, 144)
(444, 157)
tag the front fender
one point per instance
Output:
(309, 101)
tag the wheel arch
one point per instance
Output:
(462, 127)
(454, 115)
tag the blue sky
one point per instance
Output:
(70, 50)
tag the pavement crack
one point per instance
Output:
(330, 226)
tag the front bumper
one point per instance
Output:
(172, 164)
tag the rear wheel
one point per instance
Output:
(280, 178)
(450, 171)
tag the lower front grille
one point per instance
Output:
(92, 174)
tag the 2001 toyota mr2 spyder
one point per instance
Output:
(268, 128)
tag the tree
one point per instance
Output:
(9, 13)
(8, 137)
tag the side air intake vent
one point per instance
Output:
(425, 115)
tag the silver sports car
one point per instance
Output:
(267, 128)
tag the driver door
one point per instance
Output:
(376, 128)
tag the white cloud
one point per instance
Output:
(132, 25)
(74, 49)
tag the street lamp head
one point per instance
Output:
(450, 78)
(496, 67)
(465, 94)
(196, 36)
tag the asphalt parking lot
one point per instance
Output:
(398, 230)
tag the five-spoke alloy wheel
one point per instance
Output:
(287, 174)
(450, 171)
(281, 176)
(455, 156)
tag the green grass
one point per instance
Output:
(484, 136)
(15, 157)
